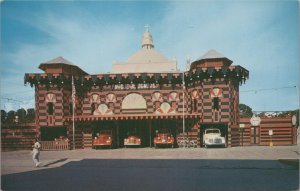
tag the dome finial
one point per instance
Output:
(147, 41)
(147, 27)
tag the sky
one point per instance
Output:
(261, 36)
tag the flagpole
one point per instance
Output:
(184, 90)
(183, 97)
(73, 111)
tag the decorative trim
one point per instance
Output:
(50, 97)
(103, 110)
(173, 96)
(157, 96)
(216, 92)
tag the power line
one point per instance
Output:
(15, 100)
(10, 99)
(269, 89)
(14, 104)
(27, 91)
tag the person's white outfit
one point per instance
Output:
(36, 153)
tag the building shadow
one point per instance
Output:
(54, 162)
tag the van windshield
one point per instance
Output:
(213, 131)
(105, 132)
(164, 131)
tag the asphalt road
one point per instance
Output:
(159, 174)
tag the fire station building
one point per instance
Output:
(145, 94)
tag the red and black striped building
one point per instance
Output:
(146, 93)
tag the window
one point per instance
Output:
(216, 103)
(216, 116)
(111, 105)
(134, 101)
(50, 108)
(71, 108)
(173, 105)
(157, 104)
(195, 104)
(93, 108)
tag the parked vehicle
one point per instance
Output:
(103, 139)
(212, 137)
(164, 138)
(132, 140)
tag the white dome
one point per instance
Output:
(146, 60)
(146, 56)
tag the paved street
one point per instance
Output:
(249, 168)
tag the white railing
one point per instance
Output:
(55, 145)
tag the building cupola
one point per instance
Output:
(147, 59)
(147, 41)
(211, 59)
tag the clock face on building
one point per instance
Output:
(255, 121)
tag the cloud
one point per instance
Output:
(258, 36)
(262, 37)
(91, 47)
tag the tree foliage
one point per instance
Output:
(19, 116)
(21, 113)
(3, 116)
(10, 117)
(245, 110)
(30, 116)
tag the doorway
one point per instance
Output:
(255, 135)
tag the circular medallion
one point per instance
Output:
(255, 121)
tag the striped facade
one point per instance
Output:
(167, 103)
(149, 97)
(194, 102)
(146, 94)
(284, 132)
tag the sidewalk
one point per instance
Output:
(21, 161)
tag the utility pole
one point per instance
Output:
(73, 110)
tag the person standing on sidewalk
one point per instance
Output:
(36, 153)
